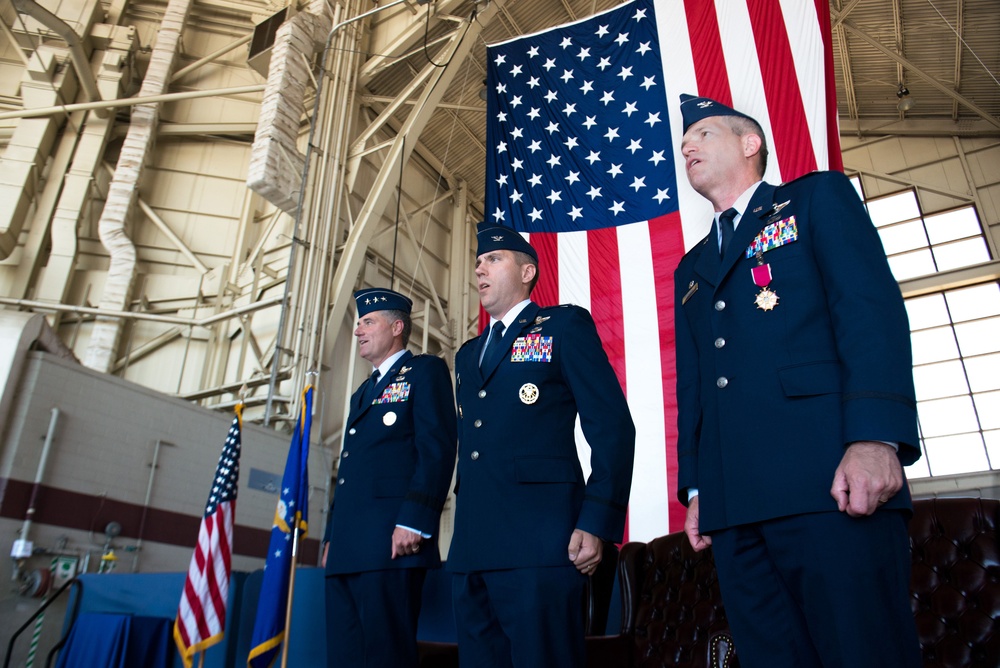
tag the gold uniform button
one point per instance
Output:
(482, 393)
(474, 455)
(477, 424)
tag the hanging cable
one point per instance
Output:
(399, 202)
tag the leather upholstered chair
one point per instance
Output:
(672, 612)
(955, 581)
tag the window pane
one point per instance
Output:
(975, 302)
(934, 345)
(956, 454)
(911, 265)
(988, 405)
(935, 381)
(894, 208)
(918, 469)
(942, 417)
(927, 311)
(983, 372)
(992, 439)
(961, 254)
(856, 182)
(903, 237)
(953, 225)
(978, 337)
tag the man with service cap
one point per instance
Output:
(796, 408)
(396, 465)
(528, 526)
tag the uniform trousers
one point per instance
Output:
(820, 589)
(520, 618)
(372, 618)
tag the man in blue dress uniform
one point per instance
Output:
(796, 408)
(395, 468)
(528, 526)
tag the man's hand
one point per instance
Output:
(585, 551)
(698, 542)
(869, 475)
(405, 542)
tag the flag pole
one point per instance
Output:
(296, 528)
(291, 594)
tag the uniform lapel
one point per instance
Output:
(524, 320)
(382, 383)
(750, 225)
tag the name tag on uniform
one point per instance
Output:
(532, 348)
(394, 393)
(774, 235)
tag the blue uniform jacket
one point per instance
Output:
(520, 489)
(768, 400)
(395, 468)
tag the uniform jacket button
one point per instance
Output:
(352, 431)
(340, 481)
(720, 305)
(482, 393)
(477, 424)
(474, 455)
(346, 454)
(722, 382)
(720, 342)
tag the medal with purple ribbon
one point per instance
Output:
(766, 299)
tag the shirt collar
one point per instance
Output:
(511, 315)
(387, 363)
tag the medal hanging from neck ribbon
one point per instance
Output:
(766, 299)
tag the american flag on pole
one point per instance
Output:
(201, 615)
(583, 157)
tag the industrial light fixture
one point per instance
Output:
(483, 93)
(905, 101)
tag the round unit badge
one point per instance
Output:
(528, 393)
(389, 419)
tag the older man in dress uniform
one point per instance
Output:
(395, 468)
(528, 526)
(796, 408)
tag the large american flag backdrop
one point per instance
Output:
(583, 157)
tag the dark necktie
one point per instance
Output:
(727, 228)
(494, 345)
(368, 396)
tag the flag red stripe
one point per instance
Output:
(835, 157)
(606, 296)
(789, 128)
(546, 293)
(706, 51)
(667, 244)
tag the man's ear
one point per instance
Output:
(751, 145)
(528, 272)
(397, 327)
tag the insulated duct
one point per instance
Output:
(103, 349)
(276, 164)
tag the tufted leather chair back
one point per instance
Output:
(955, 581)
(675, 614)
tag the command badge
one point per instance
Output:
(529, 393)
(389, 419)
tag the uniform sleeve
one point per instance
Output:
(436, 437)
(607, 425)
(869, 318)
(688, 395)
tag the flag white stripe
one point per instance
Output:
(648, 512)
(806, 41)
